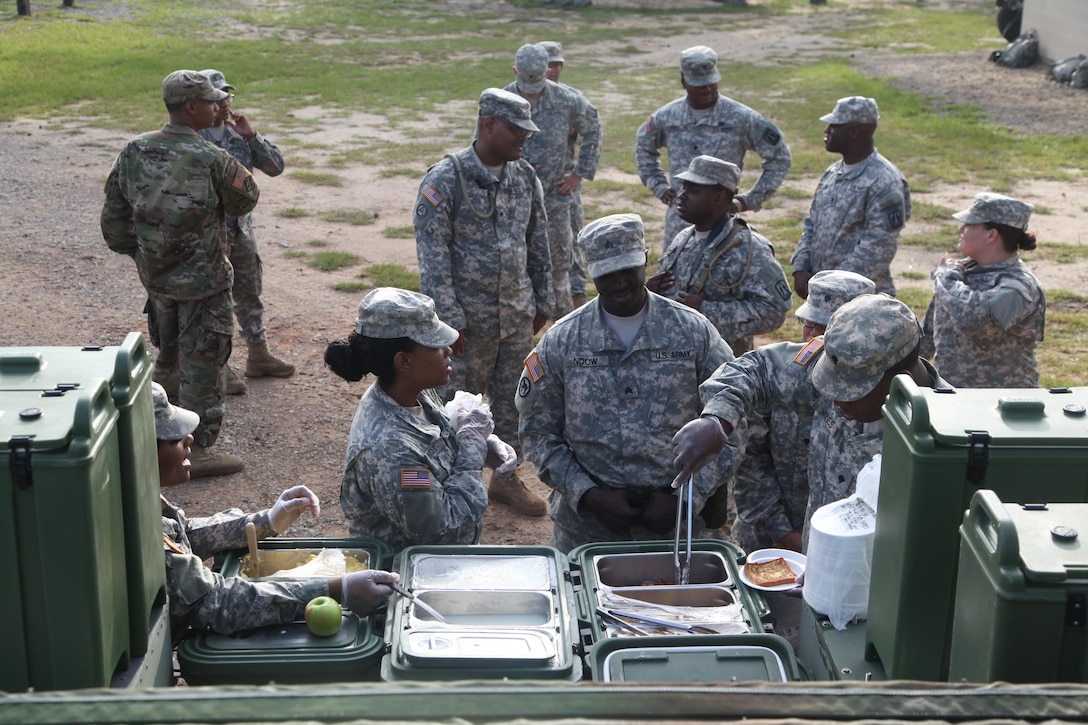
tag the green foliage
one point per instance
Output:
(355, 217)
(316, 178)
(330, 261)
(296, 254)
(406, 232)
(317, 243)
(292, 212)
(391, 275)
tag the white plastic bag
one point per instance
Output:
(327, 563)
(840, 552)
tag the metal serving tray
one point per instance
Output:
(442, 648)
(495, 610)
(274, 560)
(680, 596)
(468, 571)
(639, 569)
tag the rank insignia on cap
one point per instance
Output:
(241, 177)
(533, 368)
(431, 194)
(804, 357)
(415, 478)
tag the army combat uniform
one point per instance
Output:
(770, 387)
(561, 113)
(595, 413)
(257, 152)
(734, 266)
(855, 220)
(726, 130)
(984, 322)
(482, 249)
(166, 197)
(203, 599)
(407, 479)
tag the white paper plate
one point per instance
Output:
(794, 559)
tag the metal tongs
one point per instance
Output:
(682, 565)
(418, 602)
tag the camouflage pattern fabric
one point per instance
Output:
(203, 599)
(490, 270)
(840, 449)
(770, 388)
(166, 197)
(727, 131)
(595, 413)
(578, 277)
(984, 322)
(855, 220)
(488, 275)
(562, 114)
(195, 335)
(257, 152)
(746, 288)
(407, 479)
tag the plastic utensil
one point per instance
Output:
(419, 602)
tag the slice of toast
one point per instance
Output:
(770, 573)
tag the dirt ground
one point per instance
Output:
(60, 285)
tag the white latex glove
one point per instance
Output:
(501, 457)
(364, 591)
(290, 505)
(470, 416)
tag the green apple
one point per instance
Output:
(323, 616)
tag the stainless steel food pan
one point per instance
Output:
(679, 596)
(445, 571)
(274, 560)
(657, 568)
(488, 609)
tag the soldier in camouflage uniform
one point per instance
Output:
(166, 198)
(604, 389)
(878, 337)
(860, 205)
(482, 248)
(771, 483)
(706, 122)
(233, 132)
(203, 599)
(411, 474)
(988, 310)
(559, 113)
(578, 277)
(719, 265)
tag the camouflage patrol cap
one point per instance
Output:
(188, 85)
(865, 338)
(711, 171)
(388, 312)
(853, 109)
(218, 79)
(531, 64)
(508, 106)
(997, 209)
(699, 66)
(553, 49)
(613, 243)
(830, 289)
(171, 422)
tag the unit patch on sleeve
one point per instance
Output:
(805, 355)
(415, 478)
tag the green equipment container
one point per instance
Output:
(289, 653)
(642, 572)
(127, 368)
(64, 612)
(509, 615)
(694, 659)
(832, 654)
(1029, 446)
(1021, 593)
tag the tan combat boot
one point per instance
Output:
(233, 384)
(510, 490)
(204, 463)
(261, 362)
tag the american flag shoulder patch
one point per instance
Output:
(240, 177)
(533, 368)
(415, 478)
(431, 194)
(806, 353)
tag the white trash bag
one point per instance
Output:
(840, 552)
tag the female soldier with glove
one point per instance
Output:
(413, 471)
(203, 599)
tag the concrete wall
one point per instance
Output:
(1062, 27)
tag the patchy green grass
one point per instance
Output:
(330, 261)
(352, 285)
(317, 243)
(292, 212)
(392, 275)
(316, 178)
(912, 274)
(355, 217)
(296, 254)
(405, 232)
